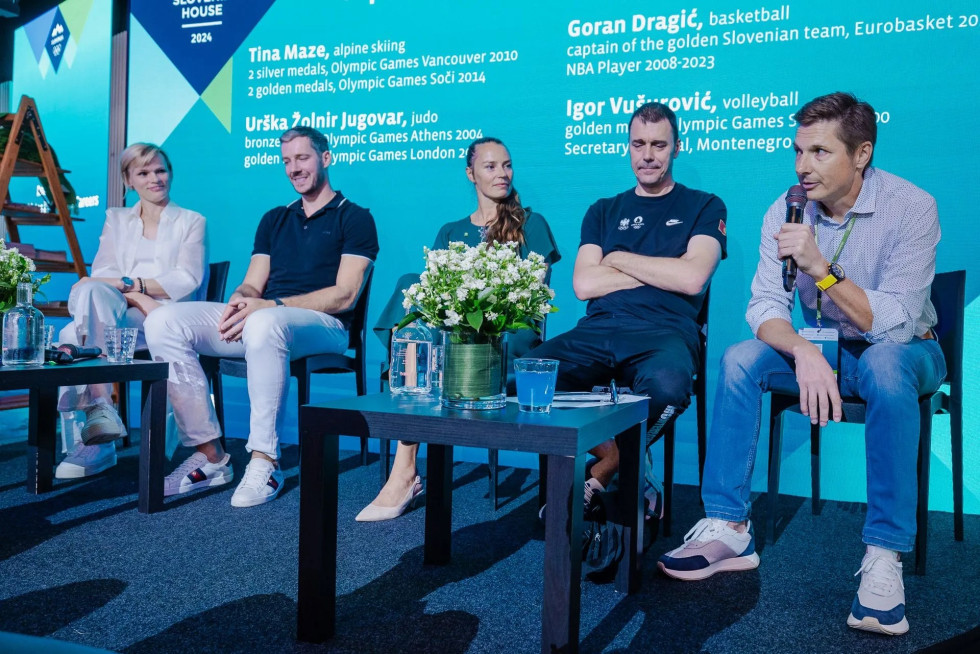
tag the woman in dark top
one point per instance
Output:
(500, 217)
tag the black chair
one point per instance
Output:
(700, 394)
(303, 368)
(948, 295)
(217, 278)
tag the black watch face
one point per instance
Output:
(837, 272)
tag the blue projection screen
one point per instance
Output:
(402, 87)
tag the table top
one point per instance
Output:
(563, 431)
(89, 371)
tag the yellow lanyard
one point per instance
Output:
(816, 239)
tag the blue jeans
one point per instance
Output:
(889, 377)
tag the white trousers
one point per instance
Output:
(93, 307)
(178, 332)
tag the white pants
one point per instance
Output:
(271, 338)
(93, 307)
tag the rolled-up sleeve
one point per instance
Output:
(899, 300)
(769, 300)
(184, 278)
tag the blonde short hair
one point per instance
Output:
(140, 154)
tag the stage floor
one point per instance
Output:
(81, 565)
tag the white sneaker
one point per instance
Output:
(86, 460)
(261, 483)
(102, 425)
(711, 546)
(880, 601)
(197, 472)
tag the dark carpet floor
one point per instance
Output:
(80, 564)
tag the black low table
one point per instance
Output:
(43, 384)
(564, 436)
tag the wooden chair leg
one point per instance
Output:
(775, 465)
(956, 447)
(922, 505)
(492, 463)
(385, 460)
(122, 392)
(815, 469)
(668, 476)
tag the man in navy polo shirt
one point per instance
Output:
(308, 264)
(644, 262)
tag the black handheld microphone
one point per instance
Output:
(76, 352)
(795, 202)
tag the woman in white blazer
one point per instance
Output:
(149, 254)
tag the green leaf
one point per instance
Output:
(475, 319)
(410, 318)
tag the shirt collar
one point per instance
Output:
(864, 205)
(297, 206)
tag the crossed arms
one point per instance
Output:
(596, 275)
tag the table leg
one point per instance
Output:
(316, 608)
(632, 464)
(42, 425)
(562, 555)
(153, 437)
(438, 505)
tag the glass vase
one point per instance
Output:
(474, 375)
(23, 331)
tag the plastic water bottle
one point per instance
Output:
(411, 360)
(23, 331)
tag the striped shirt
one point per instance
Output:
(890, 253)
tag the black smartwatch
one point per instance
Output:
(128, 284)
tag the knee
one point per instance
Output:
(159, 324)
(668, 386)
(265, 327)
(92, 292)
(887, 370)
(739, 359)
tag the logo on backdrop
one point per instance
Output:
(57, 39)
(199, 39)
(54, 35)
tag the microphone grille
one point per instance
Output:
(796, 195)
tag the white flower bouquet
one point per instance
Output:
(487, 289)
(14, 269)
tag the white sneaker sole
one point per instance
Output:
(75, 471)
(100, 434)
(750, 562)
(220, 480)
(241, 503)
(871, 624)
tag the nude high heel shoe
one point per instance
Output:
(374, 513)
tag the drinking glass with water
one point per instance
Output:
(535, 384)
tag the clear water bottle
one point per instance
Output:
(23, 331)
(411, 360)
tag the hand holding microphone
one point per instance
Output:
(795, 203)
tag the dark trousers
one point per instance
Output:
(654, 361)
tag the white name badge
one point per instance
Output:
(825, 338)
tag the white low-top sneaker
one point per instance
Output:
(86, 460)
(261, 483)
(880, 601)
(197, 472)
(102, 425)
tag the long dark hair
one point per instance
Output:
(509, 224)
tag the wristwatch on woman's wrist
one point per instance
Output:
(128, 284)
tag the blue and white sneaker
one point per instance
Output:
(879, 605)
(261, 483)
(711, 546)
